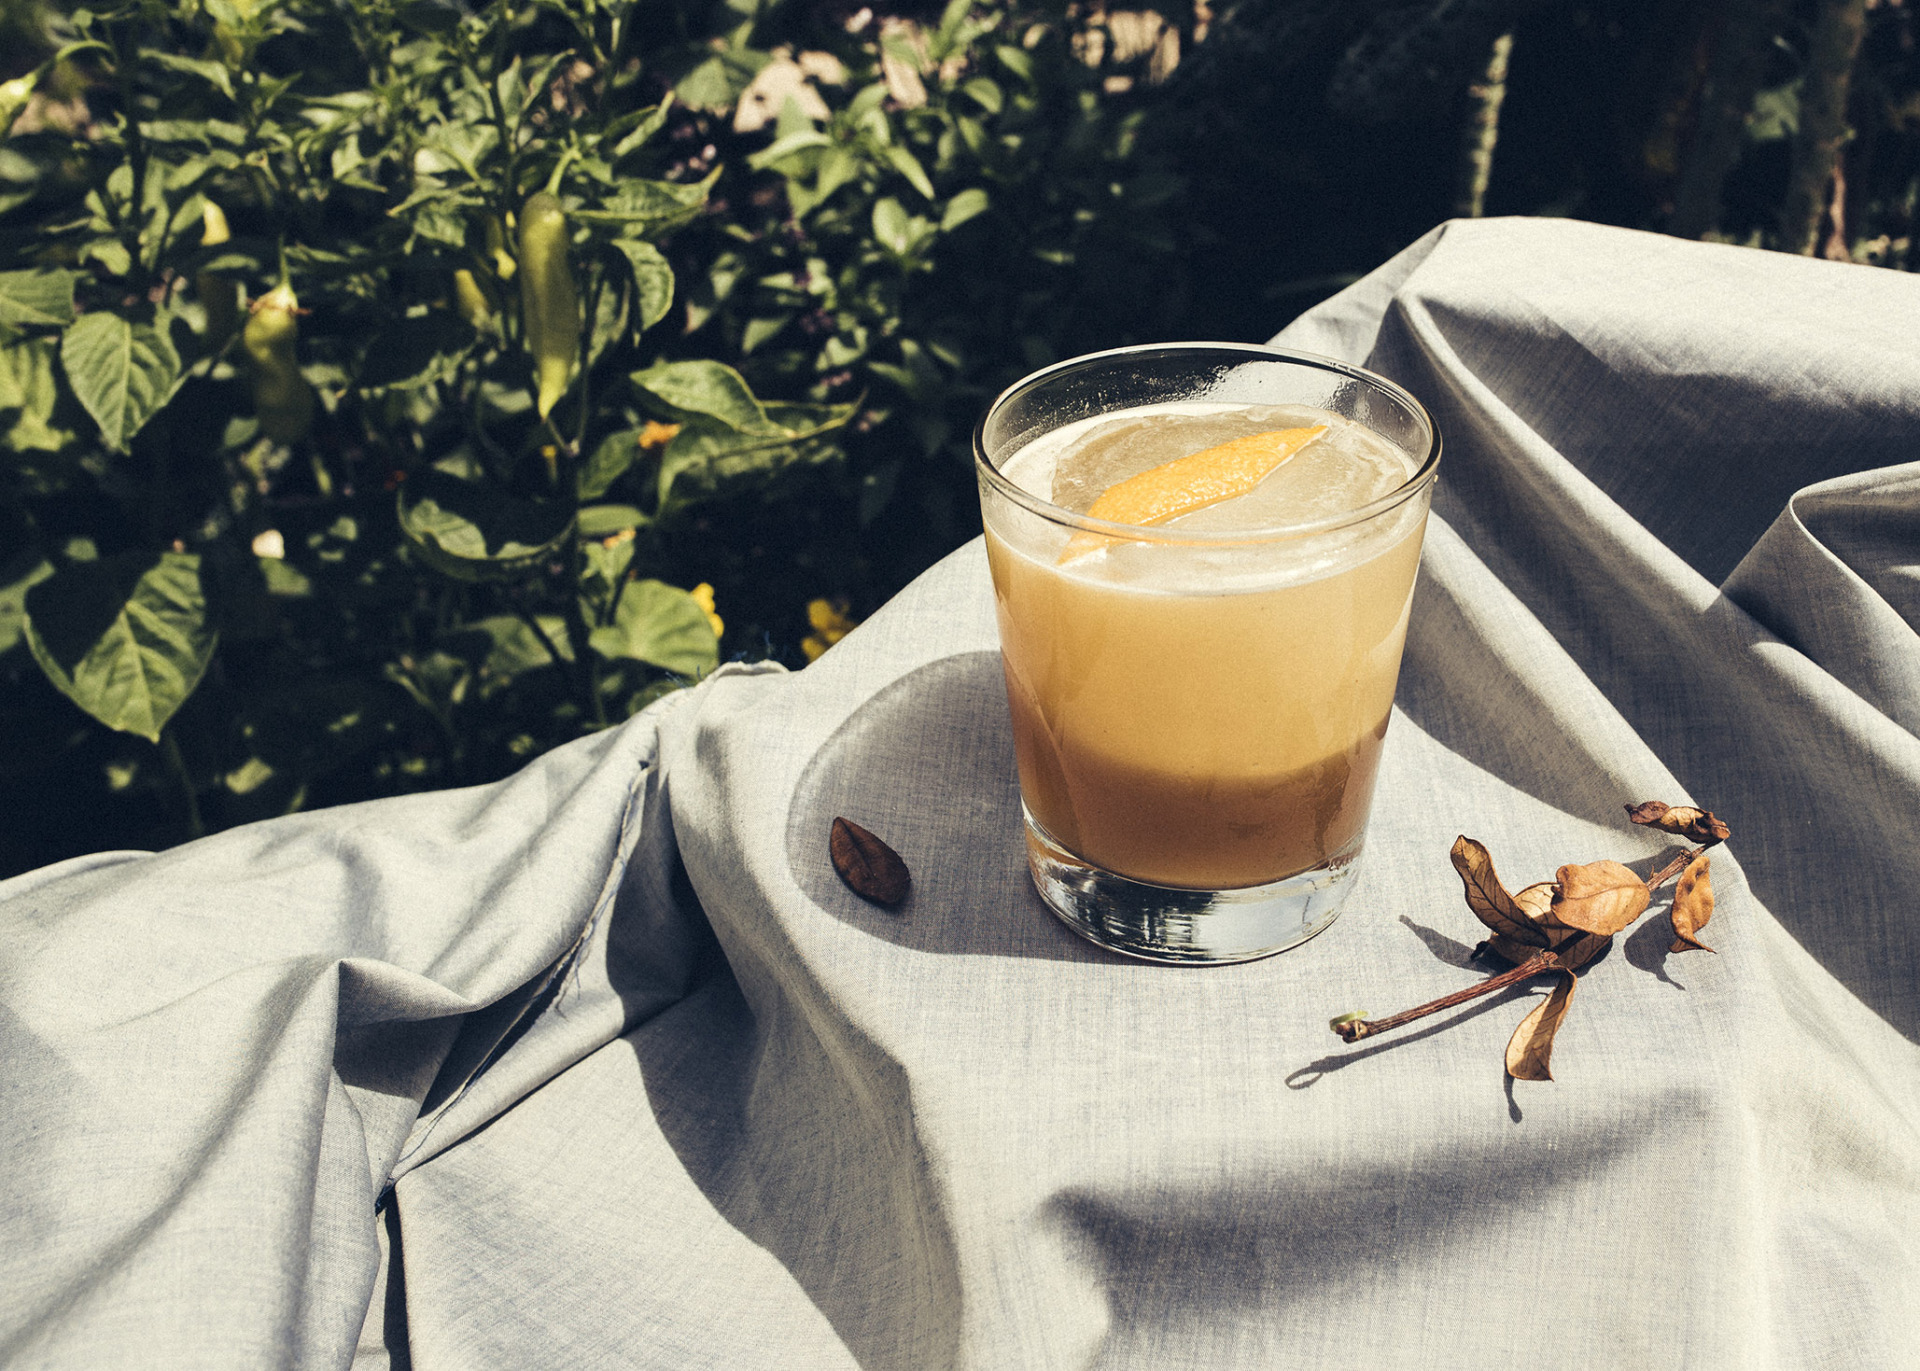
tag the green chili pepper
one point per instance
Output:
(503, 263)
(473, 299)
(281, 396)
(218, 296)
(549, 305)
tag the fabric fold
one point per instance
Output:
(603, 1066)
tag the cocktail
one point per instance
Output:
(1203, 557)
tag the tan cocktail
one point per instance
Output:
(1203, 559)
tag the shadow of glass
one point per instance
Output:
(927, 765)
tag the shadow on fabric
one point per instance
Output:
(934, 749)
(806, 1162)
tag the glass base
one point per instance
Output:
(1161, 923)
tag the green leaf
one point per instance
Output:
(759, 330)
(782, 148)
(633, 130)
(985, 94)
(472, 532)
(705, 459)
(27, 384)
(1776, 113)
(603, 567)
(502, 647)
(426, 17)
(905, 163)
(284, 579)
(652, 279)
(963, 207)
(37, 297)
(437, 681)
(890, 226)
(126, 638)
(713, 389)
(650, 206)
(601, 521)
(26, 573)
(810, 421)
(716, 83)
(838, 166)
(249, 776)
(452, 145)
(951, 18)
(110, 253)
(609, 320)
(442, 222)
(608, 462)
(213, 73)
(662, 626)
(121, 371)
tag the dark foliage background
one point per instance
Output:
(816, 235)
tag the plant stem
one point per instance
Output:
(587, 670)
(1672, 869)
(1543, 960)
(170, 749)
(546, 640)
(1823, 122)
(560, 169)
(1483, 131)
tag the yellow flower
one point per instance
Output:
(657, 434)
(703, 596)
(831, 623)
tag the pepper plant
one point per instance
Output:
(385, 388)
(388, 475)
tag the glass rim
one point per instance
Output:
(1423, 476)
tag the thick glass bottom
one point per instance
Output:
(1160, 923)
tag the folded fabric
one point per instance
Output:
(603, 1066)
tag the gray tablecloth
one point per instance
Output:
(313, 1092)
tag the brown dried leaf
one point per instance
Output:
(1573, 947)
(871, 869)
(1532, 903)
(1599, 897)
(1530, 1049)
(1507, 949)
(1579, 948)
(1536, 900)
(1692, 906)
(1695, 825)
(1488, 899)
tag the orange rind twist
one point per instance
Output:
(1185, 484)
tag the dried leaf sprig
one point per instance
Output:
(1558, 926)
